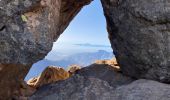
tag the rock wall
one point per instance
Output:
(139, 31)
(28, 29)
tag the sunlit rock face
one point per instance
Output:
(139, 31)
(49, 75)
(28, 29)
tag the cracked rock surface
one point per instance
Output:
(139, 31)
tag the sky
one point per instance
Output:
(88, 27)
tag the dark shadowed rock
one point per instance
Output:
(10, 85)
(28, 29)
(89, 88)
(96, 82)
(139, 31)
(106, 73)
(143, 90)
(75, 88)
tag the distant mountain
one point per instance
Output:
(88, 58)
(92, 45)
(82, 59)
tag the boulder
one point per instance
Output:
(28, 29)
(106, 73)
(140, 36)
(91, 88)
(49, 75)
(75, 88)
(95, 82)
(143, 90)
(94, 85)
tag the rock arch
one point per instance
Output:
(138, 29)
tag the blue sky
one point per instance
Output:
(89, 26)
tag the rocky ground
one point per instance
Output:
(102, 82)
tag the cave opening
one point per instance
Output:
(83, 42)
